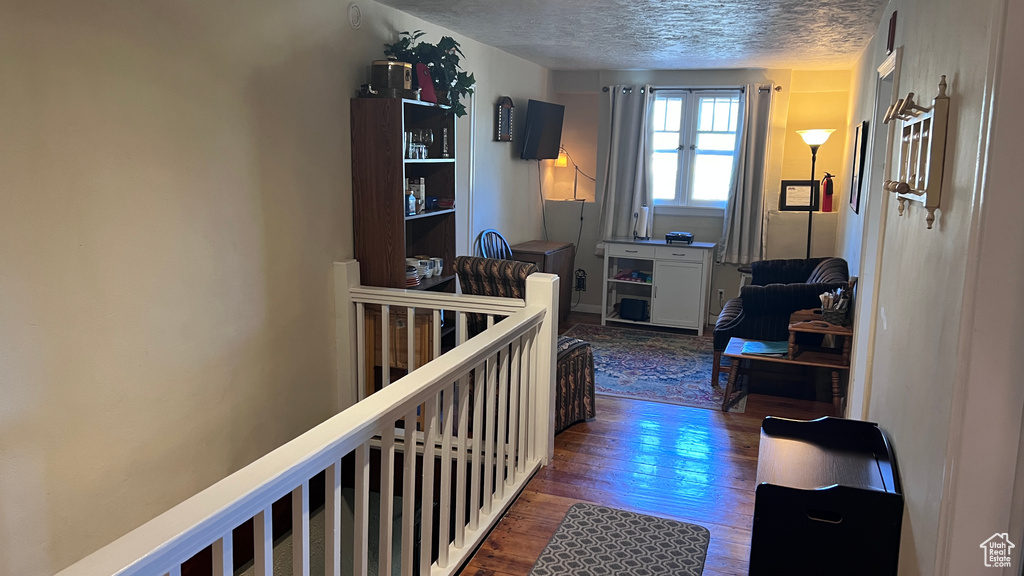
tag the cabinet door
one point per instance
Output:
(677, 294)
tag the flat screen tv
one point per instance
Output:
(543, 130)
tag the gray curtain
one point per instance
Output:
(744, 214)
(626, 187)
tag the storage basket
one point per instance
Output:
(835, 317)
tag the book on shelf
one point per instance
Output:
(777, 348)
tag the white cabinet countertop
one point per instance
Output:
(661, 242)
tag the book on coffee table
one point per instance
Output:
(778, 348)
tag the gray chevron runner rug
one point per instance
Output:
(594, 540)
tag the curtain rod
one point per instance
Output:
(701, 89)
(740, 88)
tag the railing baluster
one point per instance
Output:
(461, 328)
(332, 520)
(529, 379)
(524, 413)
(444, 522)
(361, 518)
(263, 540)
(513, 426)
(385, 345)
(408, 492)
(176, 571)
(410, 332)
(436, 327)
(427, 493)
(223, 560)
(502, 438)
(479, 398)
(361, 376)
(460, 463)
(387, 497)
(300, 530)
(492, 415)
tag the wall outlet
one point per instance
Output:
(721, 297)
(581, 280)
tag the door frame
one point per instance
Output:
(876, 206)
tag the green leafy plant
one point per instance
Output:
(450, 82)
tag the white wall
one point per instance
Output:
(506, 194)
(175, 187)
(579, 136)
(941, 384)
(985, 442)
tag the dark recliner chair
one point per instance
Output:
(574, 364)
(778, 288)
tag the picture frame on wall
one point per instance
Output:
(860, 148)
(800, 196)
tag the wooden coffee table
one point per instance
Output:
(802, 321)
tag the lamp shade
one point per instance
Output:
(815, 137)
(563, 160)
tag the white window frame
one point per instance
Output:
(683, 202)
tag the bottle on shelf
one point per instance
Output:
(410, 203)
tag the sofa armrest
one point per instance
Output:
(783, 298)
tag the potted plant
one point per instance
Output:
(450, 82)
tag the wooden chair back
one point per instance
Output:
(494, 245)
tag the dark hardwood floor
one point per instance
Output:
(688, 464)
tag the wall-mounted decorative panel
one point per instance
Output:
(922, 151)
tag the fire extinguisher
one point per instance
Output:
(826, 193)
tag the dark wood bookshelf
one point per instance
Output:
(384, 235)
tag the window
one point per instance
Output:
(693, 147)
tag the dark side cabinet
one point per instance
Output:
(551, 258)
(828, 500)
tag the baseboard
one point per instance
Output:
(596, 309)
(587, 308)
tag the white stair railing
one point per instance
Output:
(453, 442)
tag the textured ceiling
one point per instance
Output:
(662, 34)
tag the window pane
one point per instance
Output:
(658, 121)
(663, 178)
(711, 176)
(664, 141)
(673, 114)
(722, 142)
(721, 114)
(734, 110)
(706, 115)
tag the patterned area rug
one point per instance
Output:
(593, 540)
(656, 366)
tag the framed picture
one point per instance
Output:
(860, 148)
(800, 196)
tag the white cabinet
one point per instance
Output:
(661, 284)
(673, 304)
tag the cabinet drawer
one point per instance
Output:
(630, 251)
(681, 253)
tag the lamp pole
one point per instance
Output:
(814, 139)
(810, 213)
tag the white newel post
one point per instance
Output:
(542, 290)
(346, 276)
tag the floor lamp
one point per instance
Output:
(563, 162)
(814, 139)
